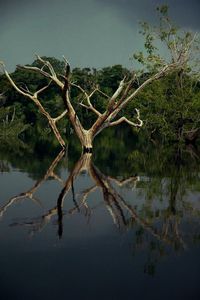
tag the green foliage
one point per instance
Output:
(170, 107)
(177, 44)
(10, 126)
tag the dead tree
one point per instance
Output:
(179, 55)
(122, 96)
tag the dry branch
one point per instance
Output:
(124, 119)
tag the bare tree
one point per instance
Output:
(179, 53)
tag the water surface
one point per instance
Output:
(115, 225)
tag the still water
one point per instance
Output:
(112, 225)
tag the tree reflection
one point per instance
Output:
(157, 223)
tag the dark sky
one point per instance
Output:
(92, 33)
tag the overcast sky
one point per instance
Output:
(92, 33)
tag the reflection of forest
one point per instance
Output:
(158, 222)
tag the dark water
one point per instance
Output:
(121, 224)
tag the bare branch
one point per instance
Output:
(19, 90)
(42, 89)
(102, 93)
(124, 119)
(84, 105)
(89, 106)
(48, 64)
(126, 91)
(117, 93)
(44, 73)
(67, 66)
(26, 89)
(80, 88)
(65, 60)
(60, 116)
(93, 92)
(96, 90)
(35, 69)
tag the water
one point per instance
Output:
(115, 225)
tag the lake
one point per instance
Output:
(122, 223)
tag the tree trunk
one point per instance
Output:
(87, 141)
